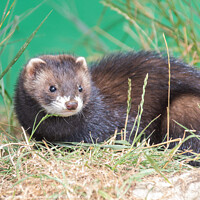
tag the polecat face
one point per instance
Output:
(60, 84)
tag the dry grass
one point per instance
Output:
(42, 171)
(39, 175)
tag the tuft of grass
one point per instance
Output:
(146, 21)
(86, 172)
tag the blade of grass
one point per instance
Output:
(128, 107)
(190, 131)
(155, 166)
(140, 111)
(112, 39)
(3, 16)
(35, 126)
(169, 80)
(22, 49)
(4, 93)
(9, 35)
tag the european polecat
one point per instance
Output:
(90, 104)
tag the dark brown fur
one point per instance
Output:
(106, 94)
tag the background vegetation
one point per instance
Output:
(88, 28)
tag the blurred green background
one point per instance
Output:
(92, 28)
(68, 29)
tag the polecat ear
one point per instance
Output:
(82, 61)
(33, 65)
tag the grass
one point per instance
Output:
(39, 170)
(83, 172)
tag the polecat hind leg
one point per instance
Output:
(185, 110)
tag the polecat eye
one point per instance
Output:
(52, 88)
(80, 89)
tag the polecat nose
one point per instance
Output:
(71, 105)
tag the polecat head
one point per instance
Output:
(60, 84)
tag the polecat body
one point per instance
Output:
(91, 104)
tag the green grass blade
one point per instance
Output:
(4, 93)
(23, 47)
(155, 166)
